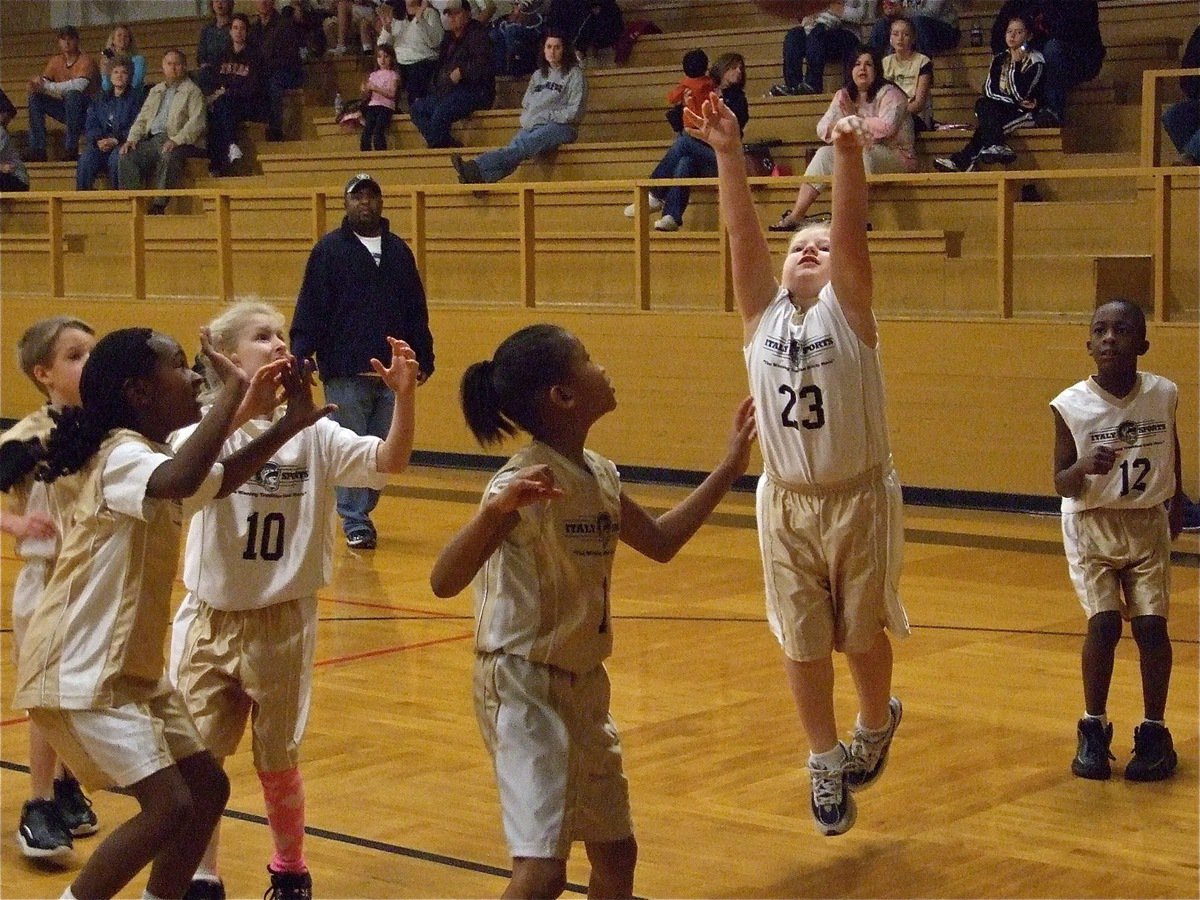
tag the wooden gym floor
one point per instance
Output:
(978, 799)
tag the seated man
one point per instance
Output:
(109, 119)
(169, 128)
(1074, 52)
(61, 92)
(278, 40)
(465, 79)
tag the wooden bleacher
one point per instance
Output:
(952, 254)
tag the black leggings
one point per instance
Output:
(376, 122)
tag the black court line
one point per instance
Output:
(356, 841)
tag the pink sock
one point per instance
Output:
(284, 796)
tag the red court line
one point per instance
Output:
(18, 721)
(433, 613)
(386, 650)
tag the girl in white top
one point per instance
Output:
(540, 551)
(243, 641)
(91, 672)
(829, 502)
(910, 71)
(883, 110)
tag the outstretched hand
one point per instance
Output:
(226, 371)
(532, 484)
(297, 382)
(852, 131)
(404, 373)
(742, 435)
(266, 389)
(717, 126)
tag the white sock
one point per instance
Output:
(1102, 718)
(203, 874)
(1162, 722)
(830, 759)
(67, 895)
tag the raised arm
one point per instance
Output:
(660, 538)
(754, 286)
(401, 377)
(468, 550)
(850, 259)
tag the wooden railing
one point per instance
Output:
(59, 206)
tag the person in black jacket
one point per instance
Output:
(1074, 52)
(278, 40)
(1182, 120)
(361, 286)
(465, 79)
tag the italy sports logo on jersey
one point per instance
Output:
(795, 355)
(1131, 434)
(592, 537)
(273, 478)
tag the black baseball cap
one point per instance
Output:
(359, 180)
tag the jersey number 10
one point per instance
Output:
(270, 545)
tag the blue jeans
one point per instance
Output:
(1066, 66)
(71, 110)
(93, 161)
(364, 405)
(794, 44)
(433, 116)
(820, 44)
(686, 158)
(1182, 122)
(933, 35)
(525, 144)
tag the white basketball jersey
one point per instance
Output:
(271, 540)
(818, 394)
(1139, 427)
(543, 594)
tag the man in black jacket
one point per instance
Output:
(465, 79)
(361, 286)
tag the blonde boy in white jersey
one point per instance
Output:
(244, 637)
(1117, 468)
(829, 505)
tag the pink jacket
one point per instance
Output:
(886, 118)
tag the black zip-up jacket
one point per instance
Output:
(348, 306)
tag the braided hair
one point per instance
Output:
(80, 430)
(505, 394)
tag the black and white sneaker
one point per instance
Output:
(1154, 755)
(42, 833)
(952, 164)
(205, 889)
(289, 886)
(1092, 755)
(360, 540)
(75, 807)
(869, 750)
(833, 807)
(998, 153)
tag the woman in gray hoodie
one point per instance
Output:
(550, 112)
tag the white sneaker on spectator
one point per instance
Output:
(655, 206)
(666, 223)
(339, 50)
(235, 153)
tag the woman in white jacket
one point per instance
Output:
(553, 104)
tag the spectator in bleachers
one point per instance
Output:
(278, 40)
(883, 107)
(912, 72)
(589, 25)
(465, 80)
(1182, 120)
(517, 37)
(13, 174)
(689, 157)
(1009, 102)
(309, 17)
(692, 90)
(62, 92)
(554, 103)
(169, 127)
(237, 98)
(1028, 11)
(355, 16)
(109, 118)
(213, 42)
(379, 92)
(935, 22)
(121, 44)
(416, 36)
(1073, 51)
(836, 31)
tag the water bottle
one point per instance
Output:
(338, 105)
(976, 35)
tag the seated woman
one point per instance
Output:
(692, 158)
(1008, 102)
(912, 72)
(550, 112)
(883, 107)
(121, 43)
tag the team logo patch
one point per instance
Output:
(600, 533)
(1129, 433)
(272, 476)
(799, 354)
